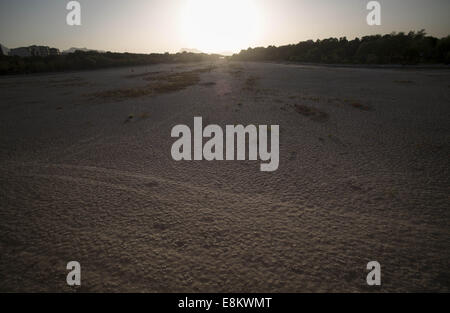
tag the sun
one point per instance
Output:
(218, 26)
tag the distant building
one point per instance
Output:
(37, 51)
(21, 52)
(54, 51)
(3, 50)
(40, 51)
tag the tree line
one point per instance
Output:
(395, 48)
(81, 60)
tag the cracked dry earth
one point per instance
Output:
(363, 176)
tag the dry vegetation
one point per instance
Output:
(69, 82)
(338, 101)
(208, 84)
(145, 74)
(313, 113)
(250, 83)
(159, 84)
(235, 70)
(360, 106)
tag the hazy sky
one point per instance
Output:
(209, 25)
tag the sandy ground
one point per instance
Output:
(363, 176)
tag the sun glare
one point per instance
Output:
(219, 26)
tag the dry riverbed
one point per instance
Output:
(86, 174)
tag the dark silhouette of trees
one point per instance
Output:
(80, 60)
(394, 48)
